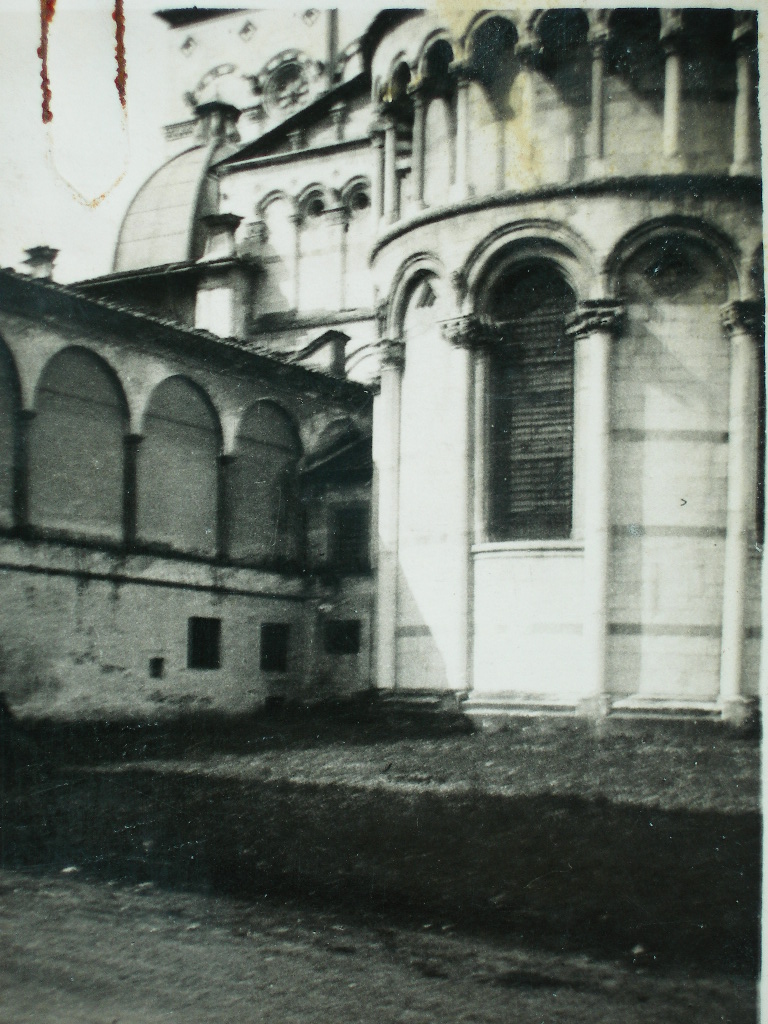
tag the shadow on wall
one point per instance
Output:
(27, 673)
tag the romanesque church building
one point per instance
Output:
(430, 361)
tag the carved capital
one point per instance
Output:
(671, 34)
(744, 30)
(599, 34)
(392, 353)
(471, 332)
(381, 312)
(744, 317)
(596, 316)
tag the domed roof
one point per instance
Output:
(159, 226)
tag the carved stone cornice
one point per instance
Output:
(471, 332)
(744, 317)
(392, 353)
(596, 316)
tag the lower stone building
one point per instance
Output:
(170, 507)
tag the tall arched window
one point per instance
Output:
(9, 412)
(76, 450)
(263, 504)
(177, 471)
(530, 405)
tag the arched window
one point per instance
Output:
(177, 471)
(530, 405)
(263, 504)
(9, 412)
(76, 449)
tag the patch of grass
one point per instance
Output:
(551, 834)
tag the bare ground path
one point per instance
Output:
(322, 868)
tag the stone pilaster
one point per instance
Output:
(223, 491)
(745, 160)
(417, 151)
(671, 40)
(598, 38)
(21, 471)
(377, 183)
(386, 448)
(593, 326)
(744, 325)
(131, 444)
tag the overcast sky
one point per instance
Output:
(52, 176)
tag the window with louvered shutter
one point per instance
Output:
(530, 412)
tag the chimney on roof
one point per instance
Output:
(220, 231)
(40, 260)
(225, 282)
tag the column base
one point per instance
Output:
(674, 165)
(596, 707)
(597, 168)
(749, 168)
(738, 711)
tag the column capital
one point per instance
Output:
(599, 33)
(672, 29)
(471, 332)
(744, 30)
(392, 353)
(744, 316)
(528, 46)
(596, 316)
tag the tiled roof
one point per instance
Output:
(45, 298)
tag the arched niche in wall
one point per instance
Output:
(530, 403)
(562, 114)
(633, 90)
(10, 405)
(319, 248)
(708, 88)
(76, 448)
(262, 501)
(674, 268)
(276, 286)
(494, 100)
(177, 470)
(670, 371)
(439, 125)
(356, 203)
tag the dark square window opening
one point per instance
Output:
(274, 646)
(342, 636)
(156, 668)
(204, 643)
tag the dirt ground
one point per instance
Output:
(341, 868)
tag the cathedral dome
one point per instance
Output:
(159, 226)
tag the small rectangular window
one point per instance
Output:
(274, 646)
(350, 538)
(342, 636)
(156, 668)
(204, 643)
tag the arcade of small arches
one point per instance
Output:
(313, 203)
(71, 467)
(549, 94)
